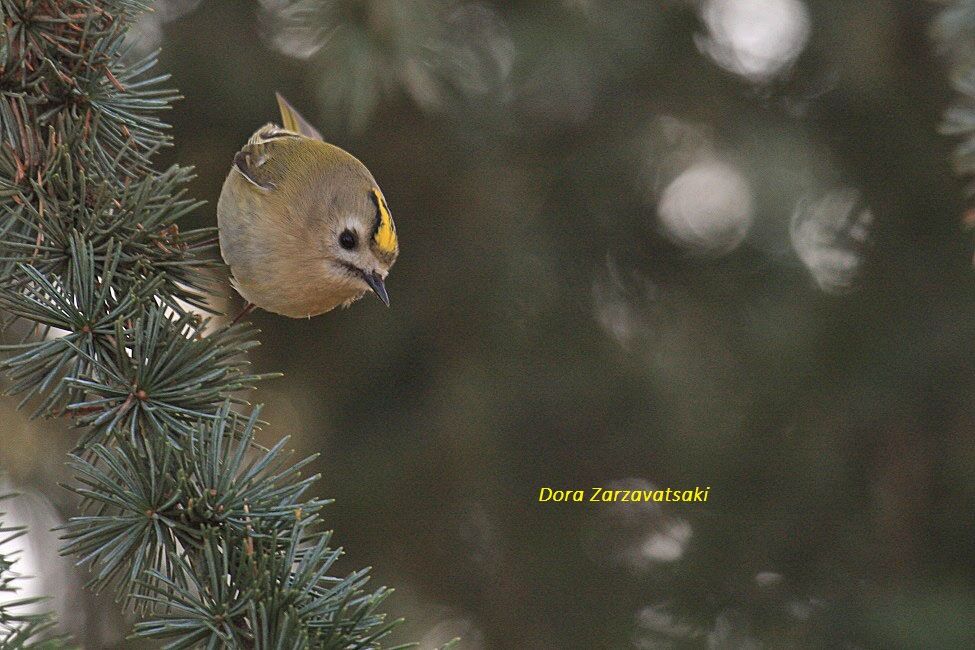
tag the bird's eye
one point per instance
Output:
(347, 240)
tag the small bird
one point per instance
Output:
(303, 225)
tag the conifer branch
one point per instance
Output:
(212, 539)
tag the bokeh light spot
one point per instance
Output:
(707, 208)
(829, 234)
(756, 39)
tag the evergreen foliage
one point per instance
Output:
(183, 516)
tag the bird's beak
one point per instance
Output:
(375, 282)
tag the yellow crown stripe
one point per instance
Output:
(385, 235)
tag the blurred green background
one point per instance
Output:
(668, 243)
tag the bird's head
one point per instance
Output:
(363, 243)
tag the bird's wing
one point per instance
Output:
(260, 161)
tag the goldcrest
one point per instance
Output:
(303, 225)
